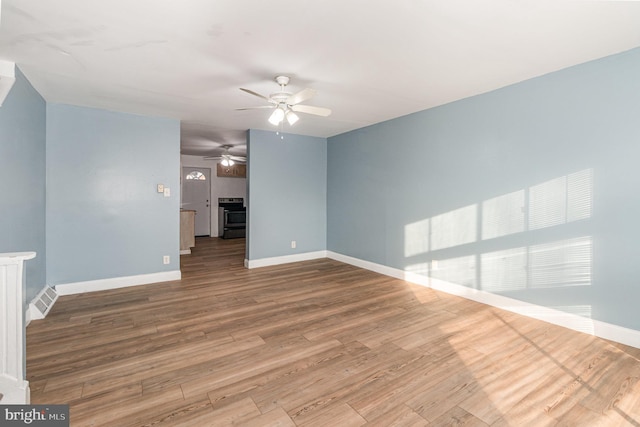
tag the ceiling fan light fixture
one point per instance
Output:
(286, 104)
(276, 117)
(226, 160)
(292, 117)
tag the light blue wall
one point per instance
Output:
(530, 191)
(22, 179)
(104, 216)
(288, 194)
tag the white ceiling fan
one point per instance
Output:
(226, 158)
(286, 104)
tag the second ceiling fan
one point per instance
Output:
(286, 104)
(226, 158)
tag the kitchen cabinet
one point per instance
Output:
(187, 231)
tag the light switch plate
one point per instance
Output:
(160, 188)
(167, 192)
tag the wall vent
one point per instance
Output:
(42, 303)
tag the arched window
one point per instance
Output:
(197, 175)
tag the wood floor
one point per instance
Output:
(317, 343)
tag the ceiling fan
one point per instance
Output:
(226, 158)
(286, 104)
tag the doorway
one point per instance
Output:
(196, 195)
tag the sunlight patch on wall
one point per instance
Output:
(421, 268)
(562, 263)
(541, 266)
(550, 265)
(416, 238)
(503, 215)
(579, 195)
(454, 228)
(555, 202)
(461, 270)
(561, 200)
(504, 270)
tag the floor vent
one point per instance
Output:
(42, 303)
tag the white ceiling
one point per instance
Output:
(369, 60)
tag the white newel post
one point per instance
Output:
(14, 388)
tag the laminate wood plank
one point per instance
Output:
(374, 374)
(139, 366)
(391, 392)
(578, 415)
(344, 326)
(61, 395)
(390, 330)
(340, 377)
(400, 416)
(508, 386)
(543, 404)
(180, 372)
(284, 381)
(60, 363)
(316, 343)
(137, 410)
(104, 401)
(195, 413)
(275, 418)
(458, 417)
(525, 414)
(334, 414)
(626, 404)
(613, 386)
(250, 367)
(235, 413)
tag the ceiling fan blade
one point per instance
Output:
(237, 159)
(257, 108)
(309, 109)
(301, 96)
(255, 94)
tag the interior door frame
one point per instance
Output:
(208, 185)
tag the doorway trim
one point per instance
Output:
(189, 204)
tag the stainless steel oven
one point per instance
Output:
(232, 217)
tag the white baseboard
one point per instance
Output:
(568, 320)
(185, 251)
(117, 282)
(265, 262)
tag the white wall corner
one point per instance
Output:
(117, 282)
(265, 262)
(568, 320)
(7, 78)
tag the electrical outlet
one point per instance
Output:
(160, 188)
(293, 244)
(166, 259)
